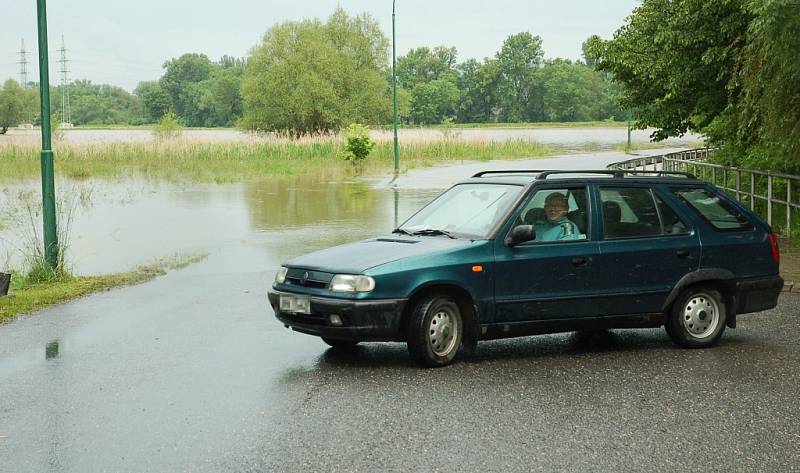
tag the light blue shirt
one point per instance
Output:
(561, 229)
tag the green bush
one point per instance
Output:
(359, 144)
(168, 127)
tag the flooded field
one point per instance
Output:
(116, 225)
(568, 138)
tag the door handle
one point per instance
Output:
(682, 253)
(579, 261)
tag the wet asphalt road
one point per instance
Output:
(208, 380)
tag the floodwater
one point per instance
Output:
(115, 226)
(561, 137)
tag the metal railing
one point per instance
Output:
(774, 196)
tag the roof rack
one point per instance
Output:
(687, 175)
(512, 171)
(618, 173)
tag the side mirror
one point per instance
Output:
(520, 234)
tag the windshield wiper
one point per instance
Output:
(401, 231)
(433, 231)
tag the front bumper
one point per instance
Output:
(362, 320)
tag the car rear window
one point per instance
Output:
(720, 213)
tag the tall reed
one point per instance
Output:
(186, 160)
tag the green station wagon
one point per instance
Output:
(522, 252)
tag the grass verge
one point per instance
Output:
(26, 295)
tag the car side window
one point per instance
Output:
(673, 225)
(629, 212)
(714, 209)
(557, 214)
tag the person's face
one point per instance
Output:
(555, 209)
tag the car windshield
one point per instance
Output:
(464, 211)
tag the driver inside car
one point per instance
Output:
(556, 226)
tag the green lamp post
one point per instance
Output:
(394, 97)
(629, 129)
(48, 185)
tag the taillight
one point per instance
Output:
(776, 251)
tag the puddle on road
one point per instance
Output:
(51, 350)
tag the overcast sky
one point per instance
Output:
(122, 43)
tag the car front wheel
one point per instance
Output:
(698, 318)
(435, 330)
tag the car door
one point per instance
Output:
(545, 280)
(644, 250)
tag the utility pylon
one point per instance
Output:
(23, 66)
(65, 115)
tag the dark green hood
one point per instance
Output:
(355, 258)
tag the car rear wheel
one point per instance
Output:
(435, 330)
(698, 317)
(340, 344)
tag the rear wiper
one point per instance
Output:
(433, 231)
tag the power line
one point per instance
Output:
(23, 66)
(65, 115)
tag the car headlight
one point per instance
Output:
(280, 276)
(352, 283)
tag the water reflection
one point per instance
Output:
(308, 201)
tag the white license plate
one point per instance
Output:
(296, 304)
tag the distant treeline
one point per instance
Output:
(315, 76)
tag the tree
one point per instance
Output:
(179, 75)
(432, 102)
(479, 86)
(736, 82)
(677, 70)
(224, 98)
(568, 93)
(423, 65)
(575, 92)
(12, 105)
(769, 113)
(311, 76)
(99, 104)
(518, 62)
(589, 49)
(155, 100)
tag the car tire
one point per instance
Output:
(698, 317)
(340, 344)
(435, 331)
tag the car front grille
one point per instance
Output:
(307, 278)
